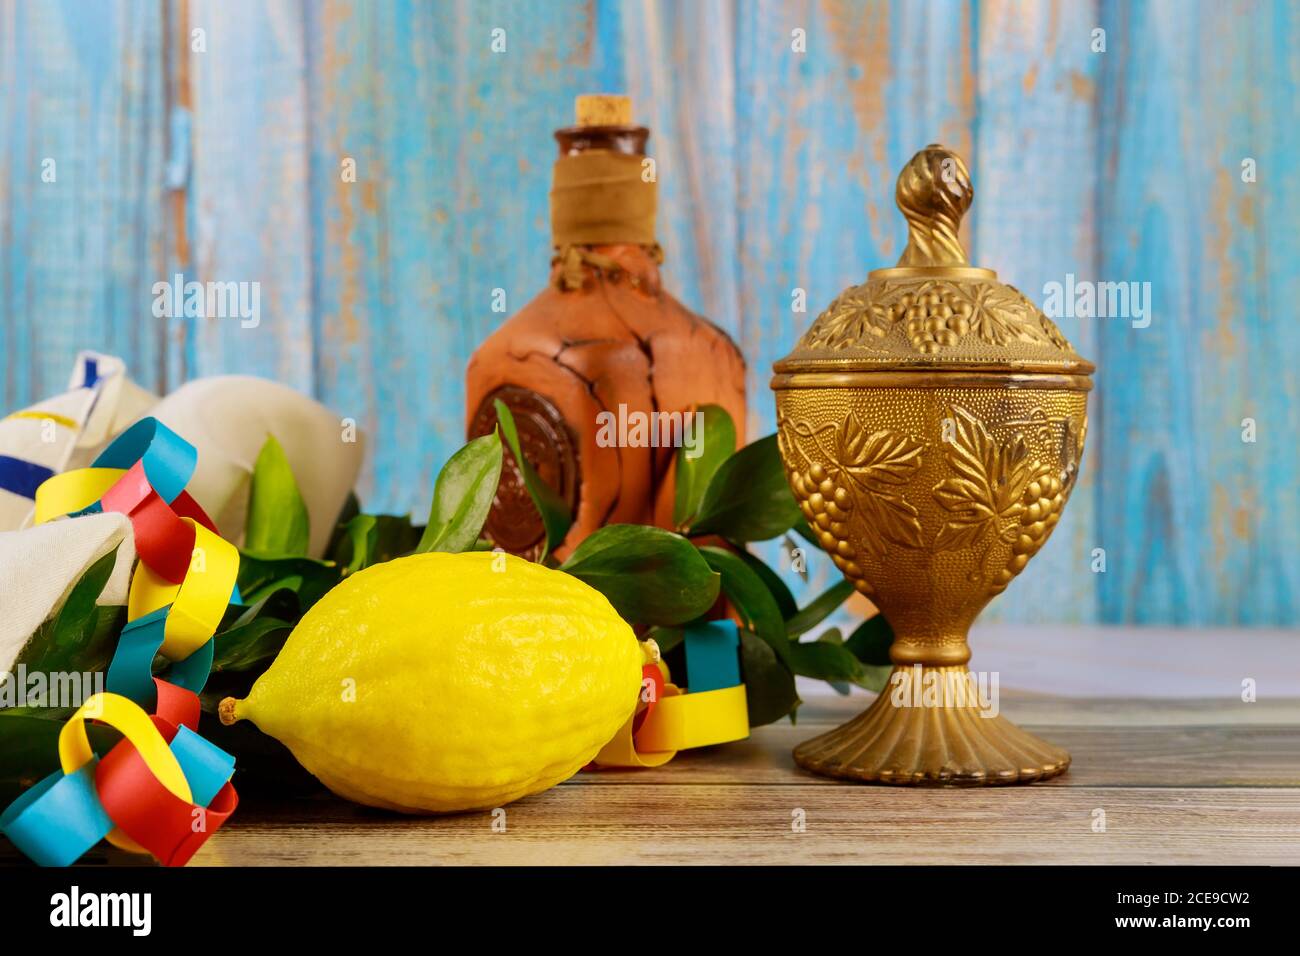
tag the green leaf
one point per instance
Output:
(462, 496)
(769, 685)
(750, 596)
(875, 677)
(717, 443)
(362, 532)
(870, 641)
(784, 599)
(277, 524)
(373, 539)
(556, 517)
(351, 508)
(257, 634)
(818, 610)
(832, 635)
(89, 653)
(824, 660)
(666, 637)
(82, 636)
(245, 646)
(650, 575)
(748, 498)
(75, 615)
(308, 578)
(394, 537)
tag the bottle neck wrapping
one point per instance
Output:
(600, 197)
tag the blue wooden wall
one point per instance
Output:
(776, 172)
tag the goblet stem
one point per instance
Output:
(932, 725)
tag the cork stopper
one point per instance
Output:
(604, 122)
(602, 109)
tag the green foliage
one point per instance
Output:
(823, 660)
(556, 516)
(257, 633)
(875, 677)
(821, 607)
(769, 683)
(666, 637)
(650, 575)
(462, 496)
(308, 578)
(83, 635)
(655, 579)
(277, 524)
(871, 640)
(749, 596)
(772, 581)
(802, 529)
(716, 445)
(373, 539)
(748, 498)
(362, 535)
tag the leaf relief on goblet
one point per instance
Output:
(855, 317)
(854, 469)
(995, 314)
(998, 494)
(879, 464)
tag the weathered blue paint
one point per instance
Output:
(1198, 525)
(81, 97)
(776, 172)
(1035, 188)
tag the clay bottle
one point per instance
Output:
(603, 344)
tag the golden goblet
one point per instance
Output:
(931, 423)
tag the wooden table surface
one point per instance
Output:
(1179, 781)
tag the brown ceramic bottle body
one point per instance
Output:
(618, 344)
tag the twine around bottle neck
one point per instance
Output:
(600, 198)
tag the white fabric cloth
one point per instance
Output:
(120, 403)
(39, 567)
(228, 418)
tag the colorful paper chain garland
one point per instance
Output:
(162, 789)
(669, 718)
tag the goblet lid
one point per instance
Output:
(933, 310)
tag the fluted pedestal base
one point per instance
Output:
(931, 726)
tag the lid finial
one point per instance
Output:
(933, 193)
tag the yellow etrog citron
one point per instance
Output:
(434, 683)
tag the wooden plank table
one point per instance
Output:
(1208, 781)
(1179, 781)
